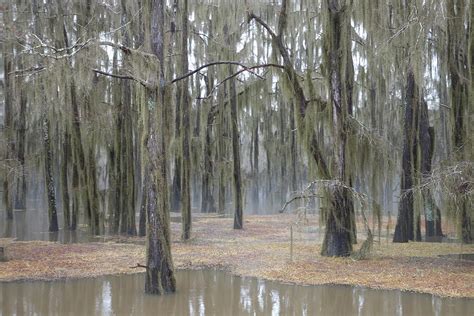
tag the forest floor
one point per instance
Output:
(261, 250)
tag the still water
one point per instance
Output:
(215, 293)
(32, 224)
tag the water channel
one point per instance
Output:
(205, 292)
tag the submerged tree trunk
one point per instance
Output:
(20, 192)
(92, 192)
(48, 174)
(76, 149)
(159, 277)
(78, 160)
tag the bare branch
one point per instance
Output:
(245, 68)
(127, 50)
(27, 71)
(251, 16)
(56, 52)
(238, 73)
(124, 77)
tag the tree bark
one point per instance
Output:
(126, 148)
(404, 230)
(66, 154)
(159, 264)
(255, 144)
(337, 239)
(238, 211)
(48, 174)
(186, 109)
(8, 115)
(426, 143)
(77, 151)
(20, 192)
(143, 205)
(176, 189)
(237, 177)
(459, 74)
(293, 150)
(207, 197)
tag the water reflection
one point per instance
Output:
(215, 293)
(32, 224)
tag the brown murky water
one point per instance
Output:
(215, 293)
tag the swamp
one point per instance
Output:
(221, 157)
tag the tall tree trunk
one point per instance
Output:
(176, 187)
(207, 199)
(255, 164)
(293, 150)
(20, 192)
(93, 215)
(337, 238)
(126, 153)
(283, 187)
(159, 277)
(237, 177)
(426, 142)
(86, 145)
(8, 114)
(92, 192)
(75, 189)
(185, 109)
(177, 174)
(221, 153)
(115, 153)
(76, 149)
(48, 174)
(46, 140)
(459, 74)
(404, 230)
(238, 211)
(207, 196)
(78, 161)
(66, 155)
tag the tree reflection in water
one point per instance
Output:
(215, 293)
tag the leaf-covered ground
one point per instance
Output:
(262, 250)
